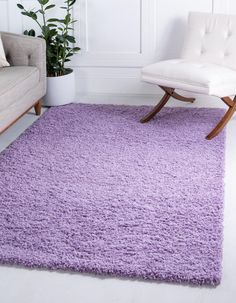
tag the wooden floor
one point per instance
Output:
(37, 286)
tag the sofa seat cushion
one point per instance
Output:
(197, 77)
(15, 82)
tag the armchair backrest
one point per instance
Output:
(211, 38)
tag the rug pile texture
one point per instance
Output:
(88, 188)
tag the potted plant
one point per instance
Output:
(60, 48)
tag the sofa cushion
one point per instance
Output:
(15, 82)
(198, 77)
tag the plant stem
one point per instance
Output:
(65, 33)
(43, 13)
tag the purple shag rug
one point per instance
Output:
(90, 189)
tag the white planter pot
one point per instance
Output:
(60, 90)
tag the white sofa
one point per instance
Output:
(23, 84)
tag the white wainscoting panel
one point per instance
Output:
(112, 33)
(118, 37)
(231, 6)
(116, 33)
(221, 6)
(3, 15)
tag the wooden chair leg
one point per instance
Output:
(220, 126)
(157, 108)
(182, 98)
(177, 96)
(37, 108)
(169, 92)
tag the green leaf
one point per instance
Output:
(67, 19)
(20, 6)
(49, 6)
(76, 49)
(33, 16)
(43, 2)
(26, 14)
(72, 2)
(71, 39)
(30, 33)
(60, 38)
(53, 20)
(61, 21)
(53, 32)
(30, 14)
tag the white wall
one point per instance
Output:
(118, 37)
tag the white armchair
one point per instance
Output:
(207, 65)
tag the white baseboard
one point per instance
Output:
(144, 99)
(124, 99)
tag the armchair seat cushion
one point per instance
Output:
(193, 76)
(15, 82)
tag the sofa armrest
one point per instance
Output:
(25, 51)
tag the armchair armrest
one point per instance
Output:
(25, 51)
